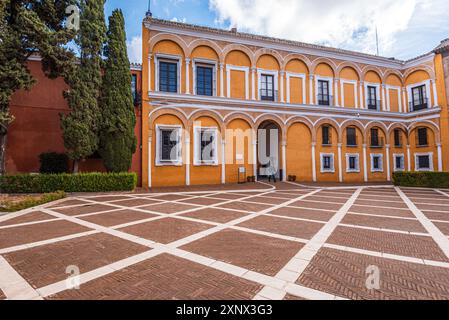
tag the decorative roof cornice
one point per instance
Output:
(149, 21)
(443, 47)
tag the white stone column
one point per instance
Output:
(150, 145)
(312, 100)
(404, 100)
(223, 162)
(435, 95)
(187, 76)
(313, 162)
(255, 156)
(253, 83)
(384, 99)
(222, 80)
(187, 161)
(282, 75)
(340, 164)
(365, 164)
(337, 104)
(387, 154)
(440, 158)
(362, 104)
(400, 98)
(284, 161)
(409, 159)
(149, 72)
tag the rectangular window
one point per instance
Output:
(352, 163)
(399, 164)
(327, 162)
(267, 87)
(424, 162)
(419, 98)
(375, 138)
(397, 138)
(323, 93)
(422, 137)
(168, 76)
(351, 137)
(372, 98)
(204, 81)
(134, 86)
(326, 135)
(377, 163)
(205, 146)
(168, 145)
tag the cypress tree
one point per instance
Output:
(81, 126)
(28, 27)
(117, 139)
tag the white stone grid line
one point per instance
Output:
(298, 264)
(265, 280)
(272, 284)
(441, 240)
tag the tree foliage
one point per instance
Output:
(117, 138)
(81, 126)
(28, 27)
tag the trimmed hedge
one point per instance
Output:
(10, 206)
(422, 179)
(82, 182)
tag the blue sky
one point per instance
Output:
(406, 28)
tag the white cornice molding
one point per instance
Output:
(344, 55)
(162, 99)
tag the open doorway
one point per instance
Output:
(268, 150)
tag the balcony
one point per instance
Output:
(419, 105)
(373, 104)
(325, 100)
(268, 95)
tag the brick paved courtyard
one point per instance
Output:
(284, 241)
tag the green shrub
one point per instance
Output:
(29, 202)
(53, 162)
(422, 179)
(83, 182)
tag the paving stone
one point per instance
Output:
(134, 202)
(388, 242)
(215, 215)
(38, 232)
(246, 206)
(393, 212)
(303, 213)
(86, 209)
(165, 277)
(47, 264)
(250, 251)
(345, 274)
(166, 230)
(69, 202)
(116, 218)
(29, 217)
(384, 223)
(169, 208)
(291, 228)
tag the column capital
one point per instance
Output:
(387, 146)
(282, 73)
(364, 145)
(187, 140)
(150, 56)
(336, 79)
(313, 144)
(284, 143)
(340, 145)
(361, 83)
(433, 80)
(311, 76)
(222, 65)
(223, 141)
(408, 146)
(253, 69)
(384, 85)
(439, 145)
(188, 60)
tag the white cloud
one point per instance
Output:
(182, 20)
(135, 49)
(349, 24)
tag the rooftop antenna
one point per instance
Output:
(149, 13)
(377, 42)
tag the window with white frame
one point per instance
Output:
(327, 163)
(424, 161)
(168, 145)
(168, 74)
(399, 162)
(377, 163)
(205, 78)
(352, 162)
(206, 146)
